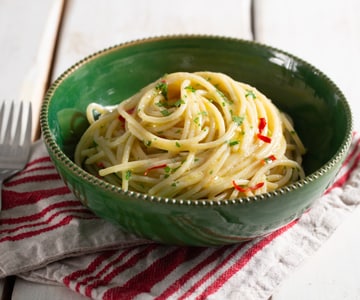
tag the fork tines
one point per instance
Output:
(15, 122)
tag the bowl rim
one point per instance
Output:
(55, 151)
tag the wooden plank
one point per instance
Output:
(91, 26)
(324, 32)
(36, 81)
(27, 40)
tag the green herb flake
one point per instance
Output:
(162, 88)
(238, 120)
(190, 88)
(233, 143)
(128, 175)
(175, 169)
(165, 112)
(250, 93)
(160, 104)
(179, 102)
(178, 144)
(166, 104)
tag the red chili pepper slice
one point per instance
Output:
(264, 138)
(154, 167)
(262, 124)
(257, 186)
(238, 187)
(261, 127)
(100, 165)
(268, 159)
(246, 189)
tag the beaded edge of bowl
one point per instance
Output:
(78, 171)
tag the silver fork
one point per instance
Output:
(15, 138)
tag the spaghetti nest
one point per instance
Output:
(196, 135)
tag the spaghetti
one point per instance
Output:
(196, 135)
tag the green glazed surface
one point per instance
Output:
(321, 114)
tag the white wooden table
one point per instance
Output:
(41, 39)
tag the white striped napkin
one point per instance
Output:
(46, 235)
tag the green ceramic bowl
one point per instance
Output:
(319, 109)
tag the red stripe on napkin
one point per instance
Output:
(28, 198)
(189, 274)
(240, 263)
(29, 234)
(67, 211)
(157, 271)
(37, 178)
(100, 271)
(43, 213)
(122, 267)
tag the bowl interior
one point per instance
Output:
(318, 108)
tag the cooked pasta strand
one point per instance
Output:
(199, 135)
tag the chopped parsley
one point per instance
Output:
(128, 175)
(167, 104)
(162, 88)
(179, 102)
(190, 88)
(233, 143)
(238, 120)
(161, 104)
(168, 171)
(250, 93)
(165, 112)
